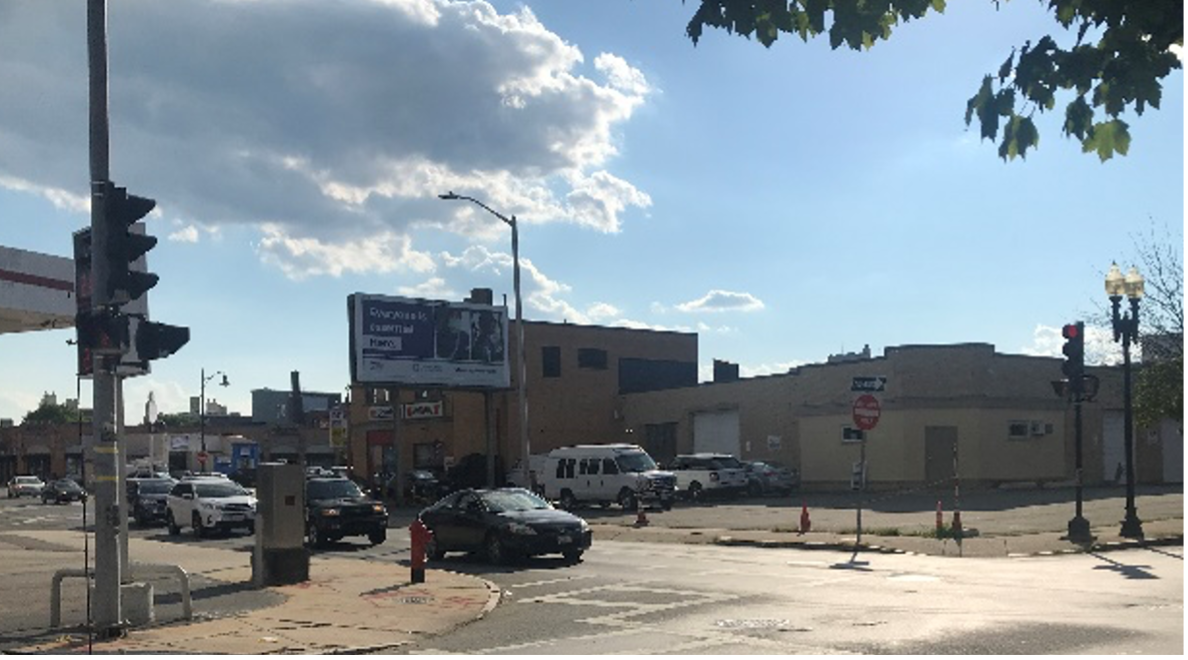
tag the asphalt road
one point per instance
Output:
(638, 598)
(696, 599)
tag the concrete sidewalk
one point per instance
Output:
(996, 523)
(347, 606)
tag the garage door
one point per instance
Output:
(716, 432)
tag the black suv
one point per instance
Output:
(147, 500)
(335, 507)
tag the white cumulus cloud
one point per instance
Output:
(723, 301)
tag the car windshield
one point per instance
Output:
(514, 500)
(158, 487)
(27, 480)
(332, 489)
(635, 462)
(67, 484)
(226, 489)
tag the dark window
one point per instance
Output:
(591, 358)
(609, 466)
(565, 468)
(639, 375)
(550, 357)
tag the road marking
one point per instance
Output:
(541, 583)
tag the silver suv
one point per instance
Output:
(210, 504)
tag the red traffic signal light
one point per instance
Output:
(1072, 330)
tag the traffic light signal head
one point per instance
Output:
(124, 246)
(157, 340)
(1074, 355)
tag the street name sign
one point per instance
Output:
(868, 384)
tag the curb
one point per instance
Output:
(839, 546)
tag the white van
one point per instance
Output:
(619, 473)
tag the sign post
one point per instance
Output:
(866, 411)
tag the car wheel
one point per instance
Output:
(378, 536)
(572, 555)
(251, 528)
(496, 552)
(313, 537)
(196, 521)
(568, 501)
(434, 551)
(627, 500)
(666, 504)
(695, 491)
(174, 528)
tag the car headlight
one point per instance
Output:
(520, 528)
(585, 526)
(378, 508)
(330, 512)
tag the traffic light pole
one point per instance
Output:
(108, 617)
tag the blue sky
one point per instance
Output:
(784, 203)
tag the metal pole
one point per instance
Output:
(523, 375)
(1078, 527)
(108, 613)
(1132, 527)
(202, 416)
(397, 477)
(861, 487)
(490, 439)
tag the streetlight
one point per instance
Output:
(1126, 331)
(511, 222)
(202, 409)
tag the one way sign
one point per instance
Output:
(868, 384)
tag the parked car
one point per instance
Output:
(25, 485)
(424, 486)
(505, 524)
(148, 499)
(335, 507)
(621, 473)
(764, 478)
(63, 491)
(207, 504)
(699, 475)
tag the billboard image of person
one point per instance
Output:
(486, 337)
(453, 333)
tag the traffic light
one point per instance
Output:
(158, 340)
(104, 332)
(124, 246)
(1074, 356)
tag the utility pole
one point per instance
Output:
(108, 612)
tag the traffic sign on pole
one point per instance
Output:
(866, 412)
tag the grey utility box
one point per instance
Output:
(281, 556)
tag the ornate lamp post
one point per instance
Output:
(1126, 331)
(202, 408)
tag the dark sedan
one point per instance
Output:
(63, 491)
(504, 524)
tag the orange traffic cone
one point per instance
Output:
(641, 516)
(805, 523)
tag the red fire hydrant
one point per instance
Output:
(420, 536)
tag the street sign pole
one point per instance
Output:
(866, 412)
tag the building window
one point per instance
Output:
(377, 395)
(591, 358)
(550, 357)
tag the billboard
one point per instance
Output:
(410, 341)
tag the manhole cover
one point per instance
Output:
(751, 623)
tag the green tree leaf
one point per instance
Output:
(1108, 138)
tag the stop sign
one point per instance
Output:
(866, 412)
